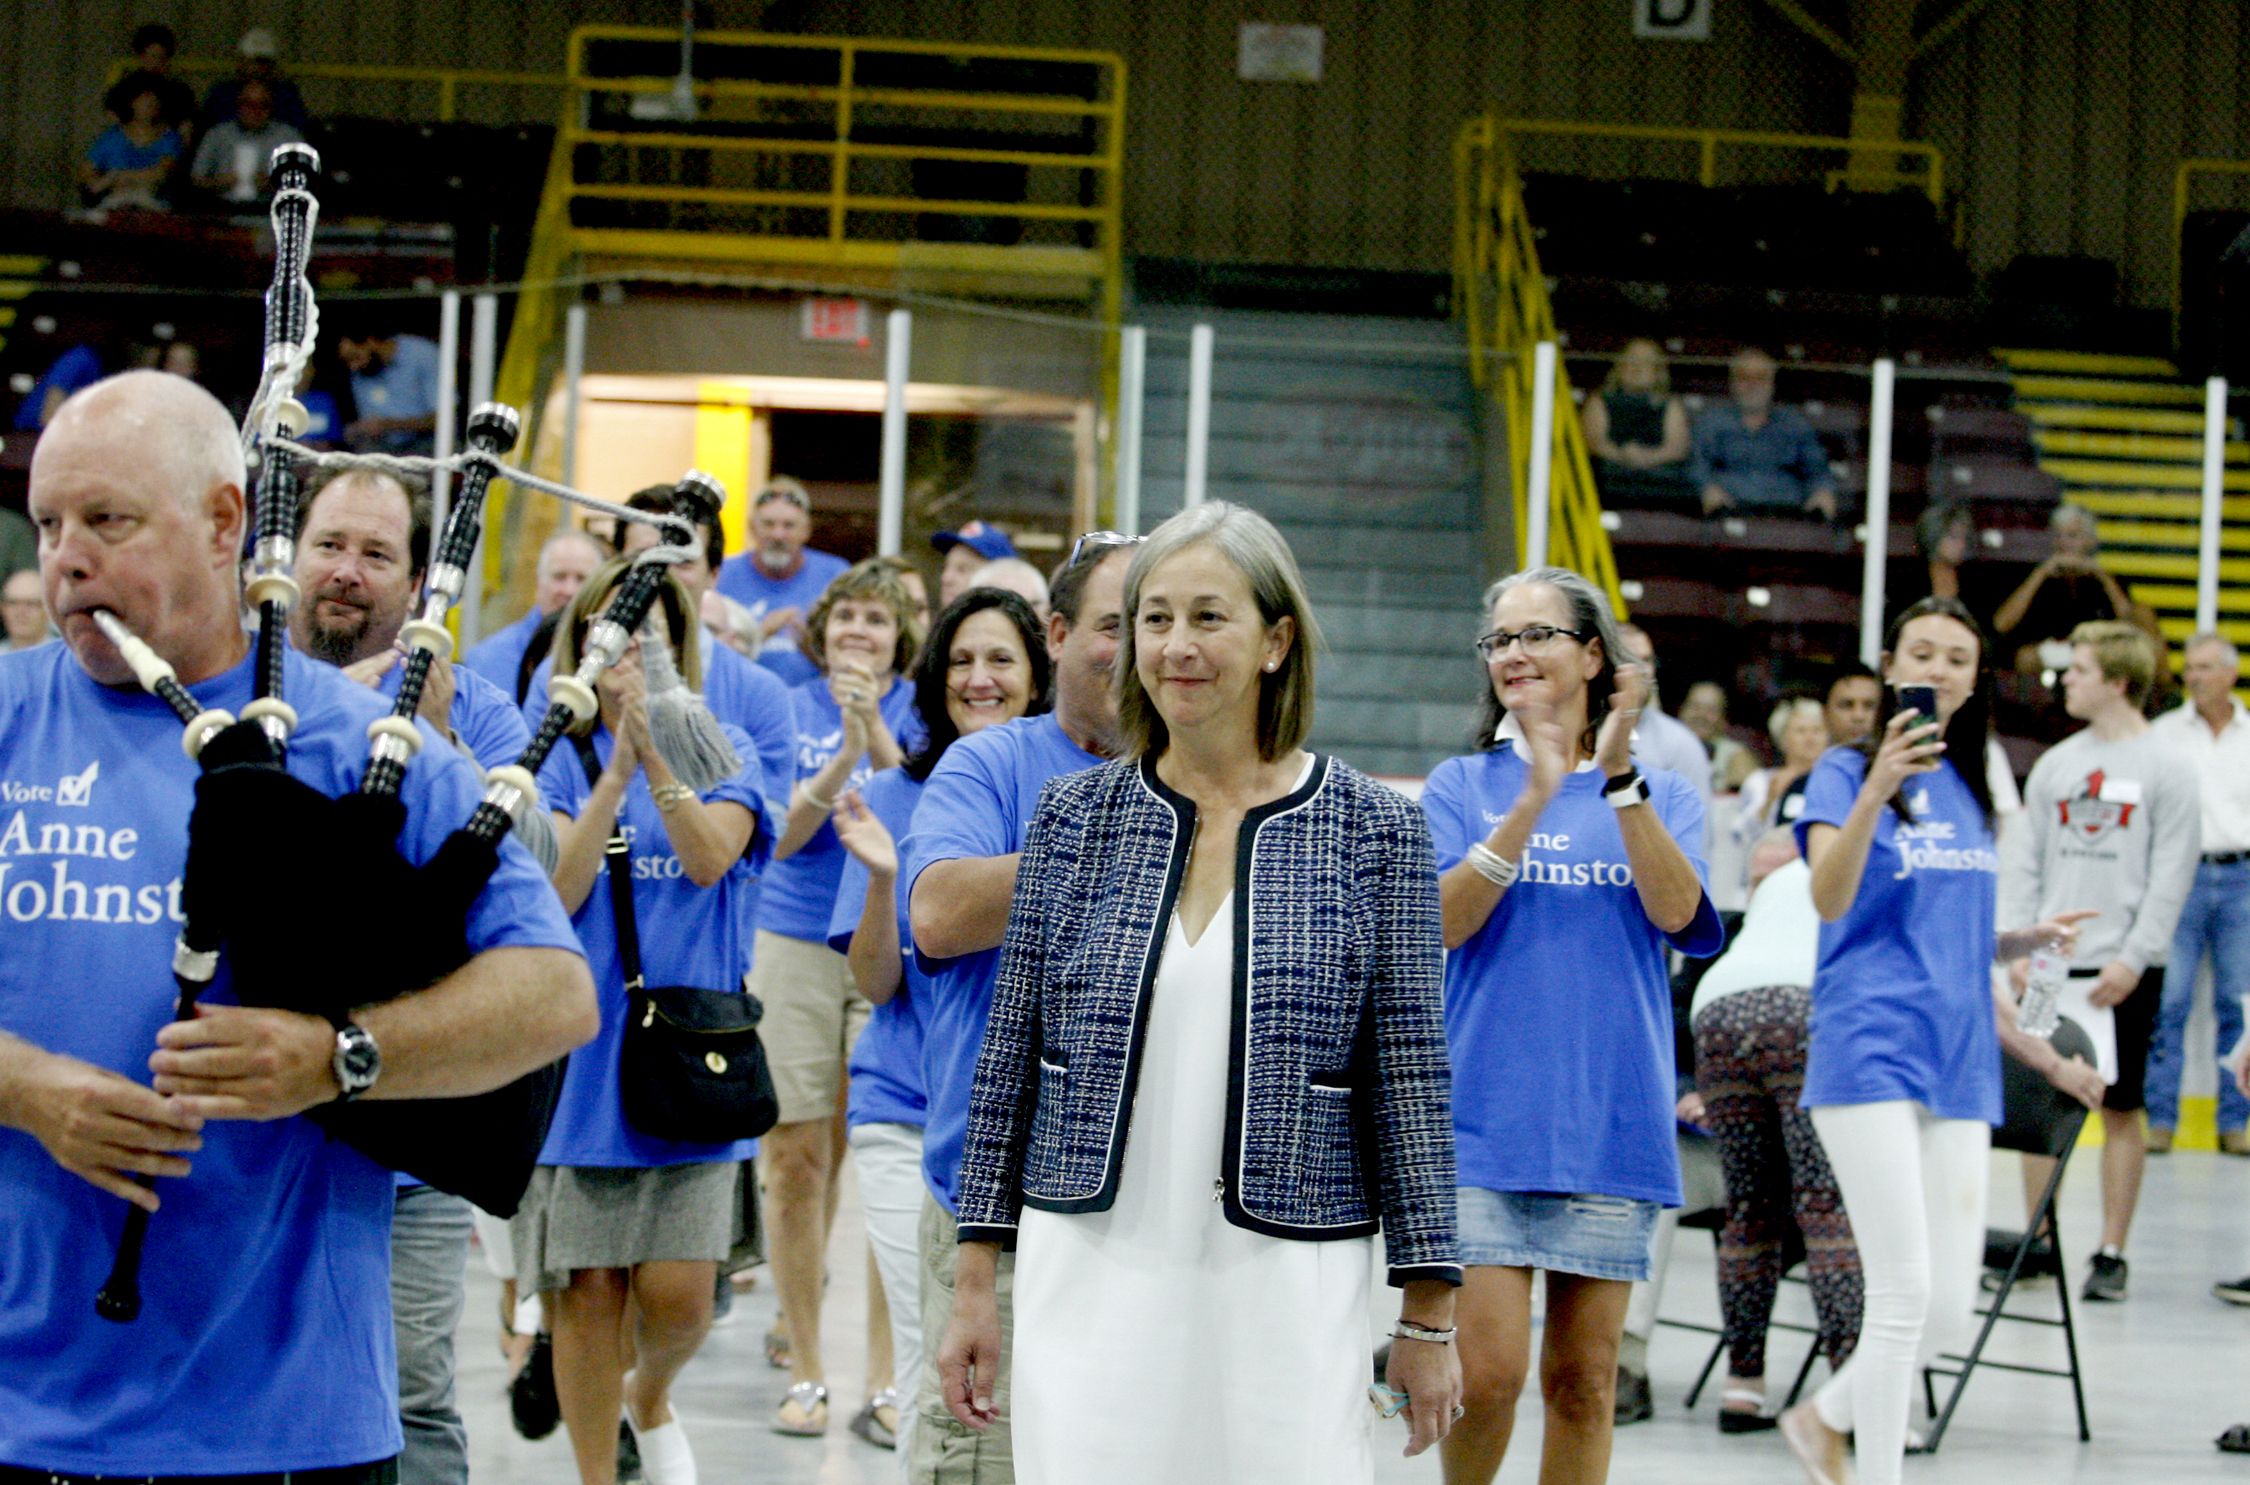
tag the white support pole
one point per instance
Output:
(1132, 391)
(1877, 554)
(1539, 484)
(484, 335)
(448, 401)
(1199, 417)
(2214, 504)
(574, 367)
(898, 353)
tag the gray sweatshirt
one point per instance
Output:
(2113, 826)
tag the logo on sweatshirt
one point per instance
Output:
(2099, 806)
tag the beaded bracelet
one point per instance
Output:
(1407, 1330)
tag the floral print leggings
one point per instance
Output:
(1782, 1202)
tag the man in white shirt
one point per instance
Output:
(2213, 729)
(1666, 741)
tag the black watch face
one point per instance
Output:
(358, 1059)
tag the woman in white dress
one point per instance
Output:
(1215, 1066)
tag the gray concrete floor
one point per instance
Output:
(2166, 1371)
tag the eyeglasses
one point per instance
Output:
(1100, 541)
(1537, 639)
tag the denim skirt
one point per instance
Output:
(1600, 1237)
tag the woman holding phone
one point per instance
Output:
(1903, 1075)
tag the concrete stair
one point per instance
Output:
(1356, 436)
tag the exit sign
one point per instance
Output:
(833, 321)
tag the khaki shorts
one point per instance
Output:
(944, 1451)
(814, 1013)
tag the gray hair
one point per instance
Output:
(2067, 514)
(1788, 711)
(1256, 550)
(1590, 614)
(2216, 640)
(569, 533)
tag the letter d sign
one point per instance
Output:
(1672, 20)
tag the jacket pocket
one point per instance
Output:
(1331, 1082)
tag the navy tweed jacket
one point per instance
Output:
(1339, 1097)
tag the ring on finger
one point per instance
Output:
(1460, 1411)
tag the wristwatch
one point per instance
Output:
(358, 1062)
(1626, 789)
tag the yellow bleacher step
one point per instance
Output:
(2180, 598)
(2179, 566)
(2150, 505)
(7, 315)
(2067, 443)
(2139, 476)
(21, 265)
(2177, 536)
(2046, 415)
(2087, 363)
(2181, 630)
(2109, 390)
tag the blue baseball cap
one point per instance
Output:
(987, 542)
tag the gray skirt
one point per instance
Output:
(576, 1217)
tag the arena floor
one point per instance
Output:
(2166, 1371)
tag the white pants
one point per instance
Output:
(889, 1160)
(1915, 1187)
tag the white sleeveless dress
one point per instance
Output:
(1158, 1344)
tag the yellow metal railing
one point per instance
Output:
(447, 80)
(1929, 179)
(2183, 181)
(1502, 295)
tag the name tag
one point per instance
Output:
(2121, 791)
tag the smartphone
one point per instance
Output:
(1921, 700)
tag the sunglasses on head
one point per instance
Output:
(782, 492)
(1100, 541)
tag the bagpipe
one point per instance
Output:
(276, 929)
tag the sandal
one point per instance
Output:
(870, 1424)
(2235, 1440)
(1752, 1419)
(811, 1399)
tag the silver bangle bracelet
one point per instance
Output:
(1407, 1330)
(1492, 866)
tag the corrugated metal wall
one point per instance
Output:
(2061, 122)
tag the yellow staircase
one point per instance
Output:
(19, 275)
(2124, 435)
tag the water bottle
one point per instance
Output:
(2042, 994)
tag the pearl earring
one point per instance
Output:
(1270, 664)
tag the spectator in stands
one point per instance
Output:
(1704, 712)
(1014, 575)
(1637, 432)
(259, 62)
(23, 611)
(1754, 454)
(153, 49)
(231, 162)
(2070, 588)
(2213, 729)
(182, 358)
(965, 551)
(1945, 541)
(395, 385)
(1854, 694)
(76, 368)
(1665, 741)
(1773, 797)
(779, 579)
(1750, 1018)
(132, 162)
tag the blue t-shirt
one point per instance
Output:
(266, 1287)
(74, 370)
(788, 665)
(114, 149)
(1902, 1000)
(497, 657)
(978, 803)
(406, 386)
(483, 716)
(1559, 1009)
(741, 580)
(689, 935)
(801, 891)
(886, 1063)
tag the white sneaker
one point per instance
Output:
(666, 1458)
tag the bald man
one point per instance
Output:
(1753, 454)
(565, 562)
(1013, 575)
(268, 1227)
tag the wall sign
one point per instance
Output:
(1672, 20)
(833, 321)
(1272, 53)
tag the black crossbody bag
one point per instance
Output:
(690, 1066)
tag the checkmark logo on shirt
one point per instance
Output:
(78, 788)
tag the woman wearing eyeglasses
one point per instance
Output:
(1565, 873)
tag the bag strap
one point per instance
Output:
(620, 862)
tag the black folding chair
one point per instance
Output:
(2041, 1120)
(1713, 1220)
